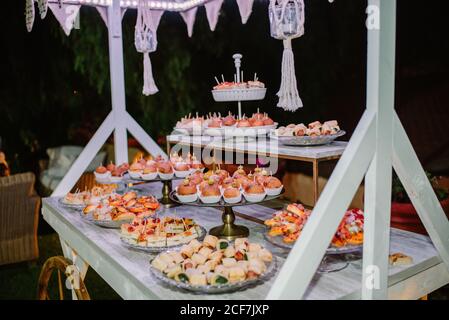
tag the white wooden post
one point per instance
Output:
(117, 75)
(306, 255)
(380, 99)
(417, 185)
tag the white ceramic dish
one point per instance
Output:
(182, 174)
(187, 198)
(233, 200)
(255, 197)
(241, 94)
(148, 176)
(274, 191)
(135, 174)
(166, 176)
(102, 176)
(210, 199)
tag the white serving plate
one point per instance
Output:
(305, 141)
(243, 94)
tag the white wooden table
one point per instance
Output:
(263, 147)
(126, 271)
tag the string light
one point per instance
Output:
(176, 5)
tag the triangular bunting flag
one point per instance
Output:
(245, 8)
(66, 14)
(156, 16)
(43, 6)
(103, 11)
(212, 11)
(29, 14)
(189, 18)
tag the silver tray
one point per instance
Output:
(71, 206)
(306, 141)
(278, 242)
(214, 289)
(111, 224)
(153, 249)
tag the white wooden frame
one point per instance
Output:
(118, 120)
(378, 143)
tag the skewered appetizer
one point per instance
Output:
(190, 123)
(160, 232)
(214, 262)
(123, 207)
(313, 129)
(289, 223)
(95, 195)
(256, 120)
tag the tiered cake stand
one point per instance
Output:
(228, 230)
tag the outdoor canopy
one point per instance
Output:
(378, 144)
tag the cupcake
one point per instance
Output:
(182, 169)
(102, 173)
(232, 195)
(273, 186)
(135, 170)
(165, 170)
(187, 191)
(254, 192)
(210, 193)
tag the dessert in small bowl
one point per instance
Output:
(165, 170)
(187, 192)
(210, 192)
(232, 195)
(181, 169)
(254, 192)
(273, 186)
(102, 173)
(135, 170)
(149, 172)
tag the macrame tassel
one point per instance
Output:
(288, 94)
(149, 86)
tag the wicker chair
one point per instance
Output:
(19, 216)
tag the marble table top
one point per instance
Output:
(127, 270)
(262, 146)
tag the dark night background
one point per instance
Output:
(56, 91)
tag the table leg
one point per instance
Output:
(315, 181)
(77, 261)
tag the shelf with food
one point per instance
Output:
(219, 189)
(314, 134)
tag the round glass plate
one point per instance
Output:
(277, 241)
(307, 141)
(214, 289)
(155, 249)
(222, 203)
(71, 206)
(111, 224)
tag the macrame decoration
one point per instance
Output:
(145, 41)
(286, 23)
(212, 12)
(43, 7)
